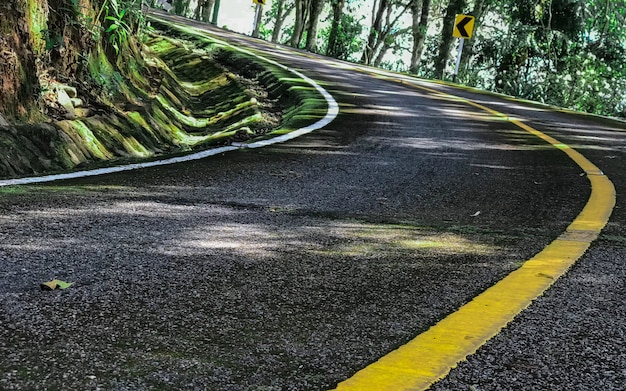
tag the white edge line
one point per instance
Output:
(331, 113)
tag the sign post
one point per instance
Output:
(463, 29)
(257, 17)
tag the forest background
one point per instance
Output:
(567, 53)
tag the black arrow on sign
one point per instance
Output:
(461, 26)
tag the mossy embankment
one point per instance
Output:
(174, 93)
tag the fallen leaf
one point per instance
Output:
(55, 284)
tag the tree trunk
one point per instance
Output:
(454, 7)
(198, 10)
(181, 6)
(216, 11)
(331, 49)
(316, 8)
(278, 24)
(480, 7)
(375, 31)
(381, 54)
(302, 7)
(420, 26)
(203, 10)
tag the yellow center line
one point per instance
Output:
(431, 355)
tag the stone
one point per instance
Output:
(65, 101)
(3, 122)
(71, 91)
(77, 102)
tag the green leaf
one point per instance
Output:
(64, 284)
(55, 284)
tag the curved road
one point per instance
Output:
(294, 266)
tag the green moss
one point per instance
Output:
(200, 102)
(100, 68)
(37, 18)
(135, 148)
(90, 141)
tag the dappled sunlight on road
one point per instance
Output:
(335, 238)
(167, 231)
(428, 143)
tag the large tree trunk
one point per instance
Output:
(454, 7)
(337, 5)
(41, 41)
(204, 10)
(316, 8)
(420, 26)
(19, 84)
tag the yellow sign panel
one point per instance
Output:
(261, 2)
(463, 26)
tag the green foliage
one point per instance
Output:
(568, 53)
(348, 42)
(122, 18)
(53, 39)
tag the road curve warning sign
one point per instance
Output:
(463, 26)
(261, 2)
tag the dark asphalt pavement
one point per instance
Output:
(293, 266)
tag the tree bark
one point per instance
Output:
(454, 7)
(216, 11)
(337, 5)
(302, 7)
(278, 23)
(378, 13)
(316, 8)
(381, 54)
(420, 26)
(204, 10)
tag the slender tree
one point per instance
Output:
(420, 11)
(282, 9)
(378, 13)
(204, 10)
(390, 42)
(385, 17)
(480, 7)
(302, 14)
(445, 46)
(337, 12)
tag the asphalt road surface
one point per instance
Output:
(294, 266)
